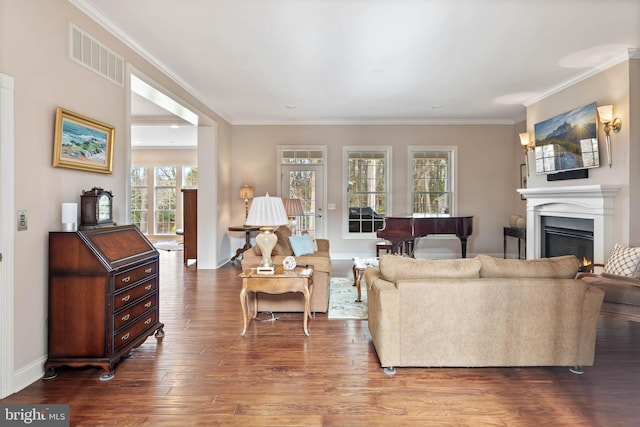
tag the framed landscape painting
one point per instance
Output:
(82, 143)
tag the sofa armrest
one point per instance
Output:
(383, 299)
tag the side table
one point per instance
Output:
(520, 234)
(278, 282)
(359, 264)
(247, 238)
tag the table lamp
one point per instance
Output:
(246, 193)
(267, 213)
(294, 209)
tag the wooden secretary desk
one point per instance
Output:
(103, 297)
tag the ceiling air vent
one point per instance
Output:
(89, 52)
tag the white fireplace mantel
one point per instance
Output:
(594, 202)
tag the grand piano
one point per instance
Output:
(402, 231)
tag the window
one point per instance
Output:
(165, 199)
(367, 175)
(189, 176)
(139, 197)
(432, 172)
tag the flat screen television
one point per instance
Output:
(568, 141)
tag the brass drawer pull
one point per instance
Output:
(126, 317)
(148, 270)
(147, 305)
(146, 322)
(126, 279)
(146, 288)
(126, 298)
(125, 337)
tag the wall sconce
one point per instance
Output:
(246, 193)
(527, 144)
(605, 112)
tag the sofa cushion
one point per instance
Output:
(282, 247)
(394, 268)
(562, 267)
(313, 240)
(301, 245)
(623, 261)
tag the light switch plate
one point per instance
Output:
(22, 220)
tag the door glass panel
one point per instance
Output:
(302, 185)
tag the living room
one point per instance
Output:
(38, 73)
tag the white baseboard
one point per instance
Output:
(29, 374)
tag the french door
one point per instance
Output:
(305, 181)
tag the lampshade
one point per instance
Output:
(293, 207)
(524, 138)
(267, 212)
(246, 192)
(606, 113)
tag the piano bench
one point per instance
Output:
(383, 246)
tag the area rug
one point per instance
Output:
(342, 297)
(169, 246)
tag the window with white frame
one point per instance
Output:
(189, 176)
(432, 172)
(165, 199)
(139, 198)
(367, 172)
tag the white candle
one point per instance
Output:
(69, 216)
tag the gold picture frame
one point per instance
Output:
(82, 143)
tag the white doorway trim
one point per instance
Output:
(208, 173)
(6, 235)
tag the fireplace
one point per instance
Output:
(567, 236)
(586, 202)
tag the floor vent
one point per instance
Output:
(89, 52)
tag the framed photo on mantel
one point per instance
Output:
(82, 143)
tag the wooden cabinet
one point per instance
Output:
(103, 297)
(190, 223)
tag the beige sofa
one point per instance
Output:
(480, 312)
(294, 302)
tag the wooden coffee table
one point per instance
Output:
(281, 281)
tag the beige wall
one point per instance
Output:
(488, 174)
(33, 49)
(611, 86)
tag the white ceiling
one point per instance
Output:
(374, 61)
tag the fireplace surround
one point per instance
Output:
(591, 202)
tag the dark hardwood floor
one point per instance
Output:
(204, 373)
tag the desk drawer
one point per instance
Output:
(132, 332)
(130, 295)
(127, 315)
(132, 276)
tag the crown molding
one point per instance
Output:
(117, 32)
(376, 122)
(617, 59)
